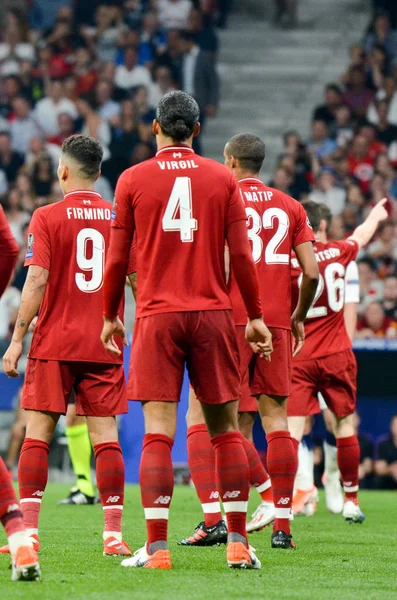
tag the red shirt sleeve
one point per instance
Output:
(9, 251)
(123, 215)
(132, 259)
(303, 230)
(38, 251)
(236, 209)
(349, 249)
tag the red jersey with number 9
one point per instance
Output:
(180, 205)
(276, 225)
(70, 240)
(325, 324)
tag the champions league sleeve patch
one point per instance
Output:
(29, 249)
(113, 217)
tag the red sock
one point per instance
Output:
(10, 512)
(259, 477)
(232, 472)
(282, 462)
(201, 460)
(348, 455)
(32, 477)
(110, 482)
(156, 477)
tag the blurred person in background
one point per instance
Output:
(93, 124)
(24, 126)
(389, 302)
(11, 88)
(371, 288)
(17, 217)
(174, 14)
(332, 101)
(42, 176)
(320, 143)
(130, 74)
(49, 108)
(386, 461)
(382, 35)
(357, 95)
(342, 129)
(66, 127)
(10, 161)
(163, 82)
(15, 46)
(388, 94)
(327, 192)
(361, 162)
(201, 26)
(385, 246)
(102, 36)
(375, 324)
(107, 108)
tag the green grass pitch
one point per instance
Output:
(332, 560)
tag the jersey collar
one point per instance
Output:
(175, 149)
(250, 180)
(85, 192)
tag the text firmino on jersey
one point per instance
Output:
(89, 213)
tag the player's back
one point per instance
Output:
(325, 326)
(182, 205)
(276, 224)
(70, 239)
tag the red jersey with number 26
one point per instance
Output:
(276, 225)
(70, 240)
(325, 324)
(180, 205)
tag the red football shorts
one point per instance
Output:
(203, 340)
(99, 388)
(258, 376)
(335, 376)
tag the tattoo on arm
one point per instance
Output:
(32, 295)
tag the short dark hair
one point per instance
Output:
(326, 215)
(249, 150)
(333, 87)
(178, 114)
(86, 152)
(313, 211)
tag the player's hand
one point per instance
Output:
(298, 331)
(112, 327)
(11, 358)
(379, 212)
(259, 338)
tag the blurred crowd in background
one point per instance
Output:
(100, 68)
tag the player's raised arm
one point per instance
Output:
(117, 264)
(8, 251)
(364, 232)
(246, 275)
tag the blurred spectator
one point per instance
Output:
(389, 303)
(357, 95)
(42, 176)
(342, 129)
(327, 192)
(66, 127)
(299, 186)
(10, 161)
(163, 83)
(281, 180)
(382, 35)
(130, 74)
(23, 128)
(386, 462)
(15, 46)
(332, 101)
(387, 94)
(361, 162)
(174, 14)
(9, 305)
(200, 26)
(370, 286)
(102, 37)
(367, 451)
(107, 108)
(49, 108)
(375, 324)
(93, 124)
(385, 245)
(386, 132)
(320, 143)
(199, 76)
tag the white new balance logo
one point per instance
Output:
(86, 201)
(12, 508)
(163, 500)
(177, 155)
(39, 493)
(233, 494)
(284, 500)
(113, 499)
(214, 495)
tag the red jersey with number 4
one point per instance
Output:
(325, 324)
(70, 240)
(276, 225)
(180, 205)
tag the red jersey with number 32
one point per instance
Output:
(180, 205)
(325, 324)
(70, 240)
(276, 225)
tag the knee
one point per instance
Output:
(102, 430)
(246, 423)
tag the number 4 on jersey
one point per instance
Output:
(180, 201)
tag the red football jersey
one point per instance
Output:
(70, 239)
(9, 251)
(180, 205)
(276, 225)
(325, 325)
